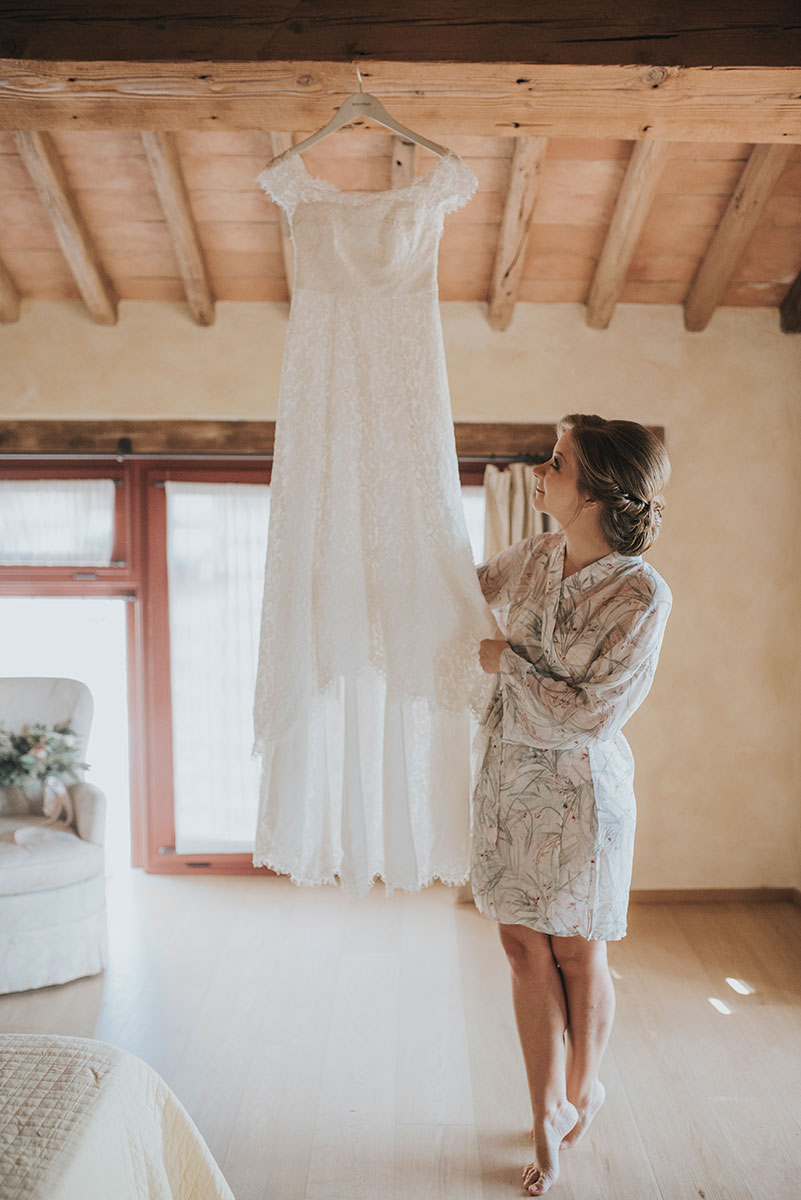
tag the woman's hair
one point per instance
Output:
(624, 467)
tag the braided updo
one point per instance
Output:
(623, 466)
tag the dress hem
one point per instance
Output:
(448, 877)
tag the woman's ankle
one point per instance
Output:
(582, 1091)
(553, 1113)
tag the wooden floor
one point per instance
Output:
(366, 1050)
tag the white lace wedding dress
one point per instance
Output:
(372, 611)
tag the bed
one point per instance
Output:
(84, 1120)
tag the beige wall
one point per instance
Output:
(717, 742)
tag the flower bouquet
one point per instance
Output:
(42, 752)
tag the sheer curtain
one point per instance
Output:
(509, 514)
(216, 547)
(56, 522)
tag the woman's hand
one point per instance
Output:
(489, 654)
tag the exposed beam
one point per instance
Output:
(282, 142)
(703, 33)
(404, 157)
(230, 437)
(44, 167)
(765, 165)
(165, 167)
(521, 197)
(632, 206)
(9, 297)
(663, 103)
(790, 309)
(474, 439)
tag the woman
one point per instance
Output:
(554, 811)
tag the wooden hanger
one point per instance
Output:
(362, 104)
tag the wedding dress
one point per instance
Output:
(372, 615)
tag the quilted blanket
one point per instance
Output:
(83, 1120)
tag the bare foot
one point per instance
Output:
(585, 1114)
(540, 1175)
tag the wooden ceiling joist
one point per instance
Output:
(631, 209)
(519, 99)
(44, 167)
(165, 167)
(280, 143)
(404, 157)
(510, 254)
(9, 297)
(790, 308)
(760, 174)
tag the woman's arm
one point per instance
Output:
(548, 713)
(499, 575)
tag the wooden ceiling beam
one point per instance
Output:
(521, 197)
(165, 167)
(123, 436)
(9, 297)
(39, 155)
(280, 143)
(790, 308)
(437, 99)
(404, 158)
(757, 181)
(699, 33)
(631, 209)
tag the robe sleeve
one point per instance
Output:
(548, 713)
(498, 576)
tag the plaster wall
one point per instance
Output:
(717, 742)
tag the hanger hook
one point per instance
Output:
(359, 77)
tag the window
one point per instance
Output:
(183, 543)
(54, 522)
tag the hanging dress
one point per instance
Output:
(368, 659)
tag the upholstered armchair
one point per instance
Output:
(52, 877)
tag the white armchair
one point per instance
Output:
(52, 879)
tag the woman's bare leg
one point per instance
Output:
(591, 1009)
(541, 1014)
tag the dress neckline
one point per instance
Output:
(325, 185)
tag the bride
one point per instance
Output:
(554, 808)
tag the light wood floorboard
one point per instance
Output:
(335, 1049)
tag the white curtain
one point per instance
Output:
(56, 522)
(509, 514)
(216, 547)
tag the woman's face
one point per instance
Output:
(557, 483)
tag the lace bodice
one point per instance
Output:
(343, 249)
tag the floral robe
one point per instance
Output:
(553, 808)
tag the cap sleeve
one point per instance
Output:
(282, 180)
(453, 183)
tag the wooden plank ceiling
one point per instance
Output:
(608, 174)
(571, 218)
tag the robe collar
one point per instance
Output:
(593, 571)
(587, 576)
